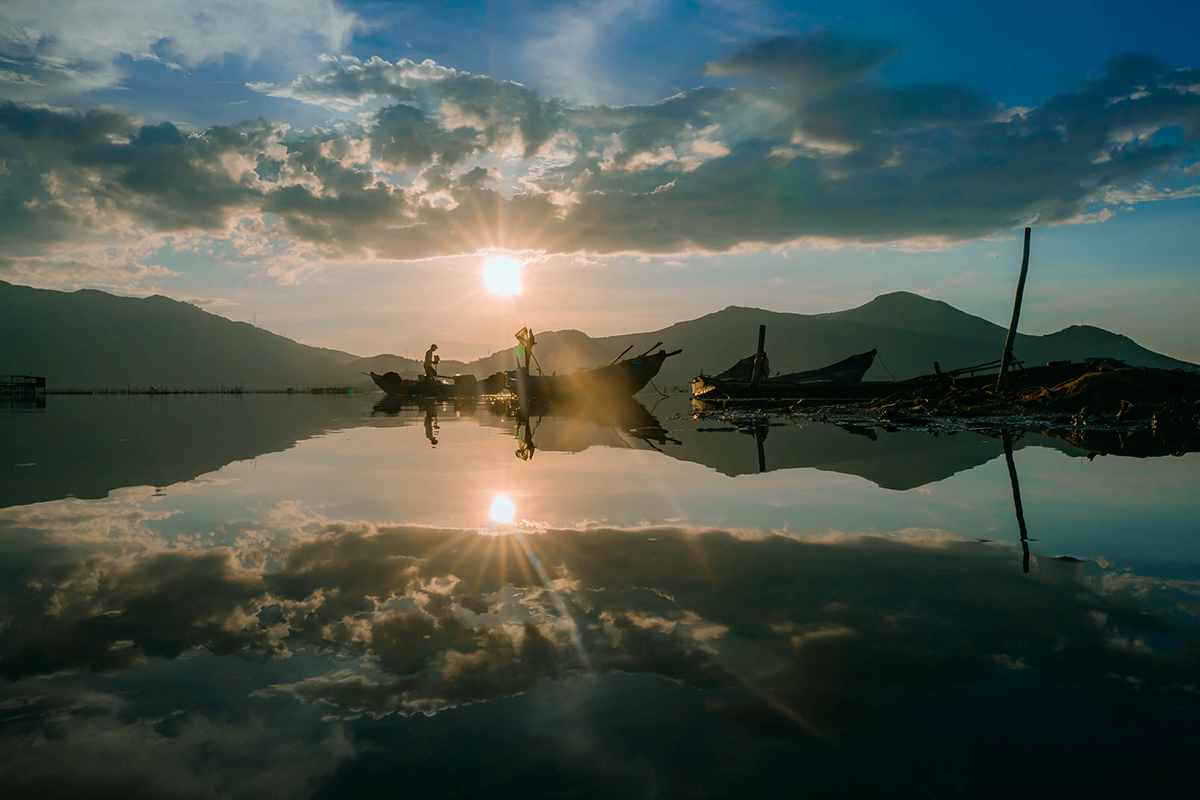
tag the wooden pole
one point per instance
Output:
(1012, 327)
(757, 374)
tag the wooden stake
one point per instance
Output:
(1012, 328)
(757, 374)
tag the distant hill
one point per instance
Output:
(90, 339)
(909, 331)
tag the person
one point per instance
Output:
(431, 360)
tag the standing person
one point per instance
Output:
(431, 361)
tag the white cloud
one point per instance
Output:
(74, 46)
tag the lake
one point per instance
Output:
(297, 596)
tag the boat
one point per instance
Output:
(738, 381)
(615, 381)
(619, 380)
(424, 388)
(1020, 376)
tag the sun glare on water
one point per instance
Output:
(503, 509)
(502, 275)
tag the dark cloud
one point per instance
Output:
(813, 61)
(453, 162)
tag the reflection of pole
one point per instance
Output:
(1016, 490)
(760, 435)
(1012, 328)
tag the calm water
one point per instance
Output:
(301, 596)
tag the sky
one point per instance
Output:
(340, 172)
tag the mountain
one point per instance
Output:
(90, 339)
(909, 331)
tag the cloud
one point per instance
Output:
(445, 162)
(811, 62)
(77, 47)
(565, 53)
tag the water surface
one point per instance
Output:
(274, 596)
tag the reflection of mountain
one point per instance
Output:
(890, 459)
(88, 446)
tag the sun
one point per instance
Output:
(503, 509)
(502, 275)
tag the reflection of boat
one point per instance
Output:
(619, 380)
(565, 425)
(738, 380)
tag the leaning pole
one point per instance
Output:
(1007, 358)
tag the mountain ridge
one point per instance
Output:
(91, 339)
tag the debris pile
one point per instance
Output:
(1133, 410)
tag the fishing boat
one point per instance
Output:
(614, 381)
(741, 380)
(1020, 376)
(436, 388)
(618, 380)
(395, 386)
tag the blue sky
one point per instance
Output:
(338, 171)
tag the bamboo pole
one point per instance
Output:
(757, 373)
(1012, 327)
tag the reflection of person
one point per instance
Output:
(431, 360)
(525, 440)
(431, 425)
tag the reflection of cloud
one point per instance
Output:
(450, 162)
(802, 631)
(82, 744)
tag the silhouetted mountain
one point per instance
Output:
(90, 339)
(909, 331)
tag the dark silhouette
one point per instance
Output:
(90, 339)
(1006, 440)
(431, 362)
(431, 424)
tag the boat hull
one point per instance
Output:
(735, 382)
(615, 381)
(1047, 375)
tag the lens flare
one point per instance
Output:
(503, 509)
(502, 275)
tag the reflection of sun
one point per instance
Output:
(503, 509)
(502, 275)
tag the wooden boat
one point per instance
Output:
(427, 388)
(615, 381)
(394, 386)
(737, 381)
(1019, 377)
